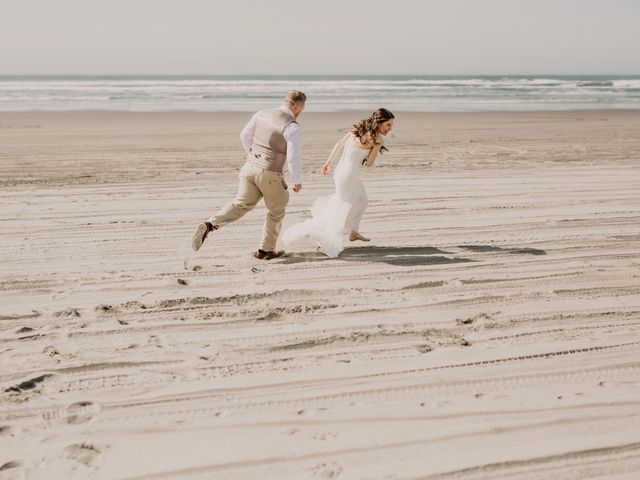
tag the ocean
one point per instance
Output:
(325, 93)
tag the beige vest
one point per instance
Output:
(269, 149)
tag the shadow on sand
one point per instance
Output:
(398, 256)
(491, 248)
(405, 256)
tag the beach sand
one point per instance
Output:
(491, 328)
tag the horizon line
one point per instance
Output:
(294, 75)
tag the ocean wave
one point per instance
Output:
(596, 84)
(325, 93)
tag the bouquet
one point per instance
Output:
(382, 150)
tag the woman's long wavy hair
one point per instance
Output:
(366, 130)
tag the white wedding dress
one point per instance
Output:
(337, 214)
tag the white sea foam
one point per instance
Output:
(325, 93)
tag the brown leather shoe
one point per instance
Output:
(201, 234)
(263, 255)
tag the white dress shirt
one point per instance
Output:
(292, 134)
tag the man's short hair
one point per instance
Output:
(295, 97)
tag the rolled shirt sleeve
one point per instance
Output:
(293, 135)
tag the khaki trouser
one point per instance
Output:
(256, 183)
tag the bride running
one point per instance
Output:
(340, 213)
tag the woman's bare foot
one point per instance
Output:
(353, 236)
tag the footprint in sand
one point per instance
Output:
(327, 470)
(156, 341)
(84, 453)
(67, 313)
(7, 430)
(30, 384)
(50, 350)
(81, 412)
(322, 436)
(12, 471)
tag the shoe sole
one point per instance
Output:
(199, 237)
(268, 257)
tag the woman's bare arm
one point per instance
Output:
(326, 168)
(373, 155)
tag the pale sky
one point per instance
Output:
(312, 37)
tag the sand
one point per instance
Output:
(491, 328)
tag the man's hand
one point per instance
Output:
(297, 187)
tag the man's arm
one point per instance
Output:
(293, 136)
(246, 136)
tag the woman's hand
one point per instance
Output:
(326, 168)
